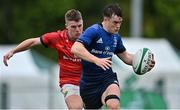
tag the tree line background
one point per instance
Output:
(22, 19)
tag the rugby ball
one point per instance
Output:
(141, 61)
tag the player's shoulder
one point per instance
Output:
(51, 34)
(94, 28)
(62, 33)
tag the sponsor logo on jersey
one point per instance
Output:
(107, 48)
(72, 59)
(101, 52)
(115, 42)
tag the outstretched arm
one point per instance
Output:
(25, 45)
(80, 51)
(126, 57)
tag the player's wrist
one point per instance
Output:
(94, 60)
(12, 52)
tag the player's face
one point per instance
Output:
(75, 28)
(114, 24)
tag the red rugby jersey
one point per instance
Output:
(70, 66)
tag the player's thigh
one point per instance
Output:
(112, 89)
(74, 101)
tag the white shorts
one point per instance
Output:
(70, 89)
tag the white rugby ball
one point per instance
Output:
(142, 60)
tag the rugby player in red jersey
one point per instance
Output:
(70, 67)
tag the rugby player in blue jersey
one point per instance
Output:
(99, 84)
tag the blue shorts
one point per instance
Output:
(91, 91)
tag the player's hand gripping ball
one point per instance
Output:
(142, 60)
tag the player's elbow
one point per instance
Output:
(74, 49)
(77, 49)
(33, 42)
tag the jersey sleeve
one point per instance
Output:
(120, 47)
(87, 36)
(49, 39)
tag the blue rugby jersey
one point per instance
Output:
(101, 44)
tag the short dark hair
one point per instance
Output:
(111, 9)
(73, 15)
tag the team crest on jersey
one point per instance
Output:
(99, 41)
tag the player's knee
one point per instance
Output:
(112, 101)
(113, 104)
(79, 105)
(76, 106)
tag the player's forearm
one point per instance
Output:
(80, 51)
(25, 45)
(126, 57)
